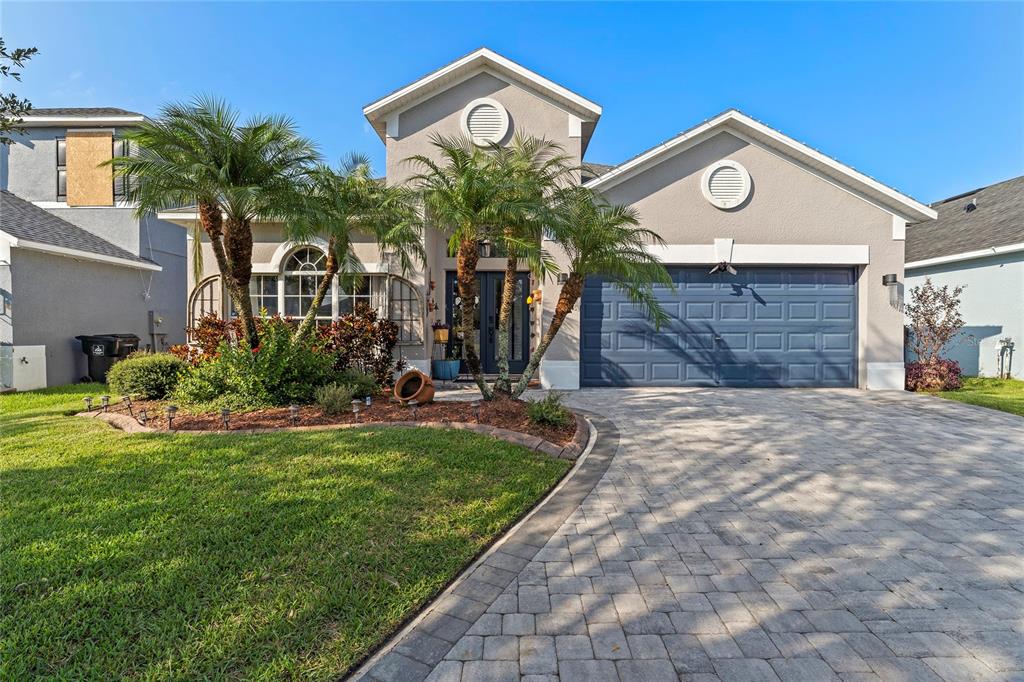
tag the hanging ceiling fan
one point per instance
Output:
(724, 266)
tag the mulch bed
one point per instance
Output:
(501, 412)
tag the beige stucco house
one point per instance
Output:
(817, 248)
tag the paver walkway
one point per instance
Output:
(772, 534)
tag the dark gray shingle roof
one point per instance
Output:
(24, 220)
(80, 111)
(594, 170)
(997, 219)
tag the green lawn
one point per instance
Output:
(274, 556)
(999, 394)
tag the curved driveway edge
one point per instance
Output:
(412, 653)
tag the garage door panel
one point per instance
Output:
(730, 310)
(762, 327)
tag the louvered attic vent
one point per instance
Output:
(726, 184)
(485, 121)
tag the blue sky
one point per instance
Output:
(926, 97)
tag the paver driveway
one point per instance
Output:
(766, 534)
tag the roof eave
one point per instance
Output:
(377, 111)
(965, 256)
(79, 121)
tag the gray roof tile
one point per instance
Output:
(80, 111)
(996, 219)
(24, 220)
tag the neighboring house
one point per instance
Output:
(977, 242)
(74, 259)
(811, 240)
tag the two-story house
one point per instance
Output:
(74, 258)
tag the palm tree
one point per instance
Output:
(199, 153)
(535, 169)
(465, 196)
(337, 205)
(600, 239)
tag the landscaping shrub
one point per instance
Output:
(334, 398)
(364, 342)
(938, 375)
(279, 371)
(360, 383)
(549, 410)
(150, 376)
(206, 337)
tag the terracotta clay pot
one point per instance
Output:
(414, 387)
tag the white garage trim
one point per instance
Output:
(560, 374)
(765, 254)
(885, 376)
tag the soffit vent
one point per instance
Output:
(485, 121)
(726, 184)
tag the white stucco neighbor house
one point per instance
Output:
(977, 242)
(816, 245)
(74, 258)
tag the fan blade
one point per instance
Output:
(731, 269)
(713, 270)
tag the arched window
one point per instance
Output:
(302, 274)
(206, 298)
(291, 292)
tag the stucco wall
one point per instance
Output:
(529, 113)
(58, 298)
(992, 305)
(788, 205)
(30, 170)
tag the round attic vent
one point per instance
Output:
(485, 121)
(726, 184)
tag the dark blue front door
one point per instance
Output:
(760, 327)
(490, 285)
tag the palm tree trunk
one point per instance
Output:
(309, 321)
(571, 292)
(465, 273)
(213, 224)
(238, 249)
(508, 290)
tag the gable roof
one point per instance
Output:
(76, 116)
(980, 221)
(464, 67)
(25, 225)
(736, 122)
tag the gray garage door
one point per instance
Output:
(760, 327)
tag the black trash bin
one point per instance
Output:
(103, 350)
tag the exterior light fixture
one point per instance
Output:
(127, 400)
(355, 408)
(563, 277)
(171, 411)
(414, 408)
(143, 416)
(88, 403)
(105, 402)
(476, 410)
(891, 283)
(293, 410)
(369, 400)
(225, 414)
